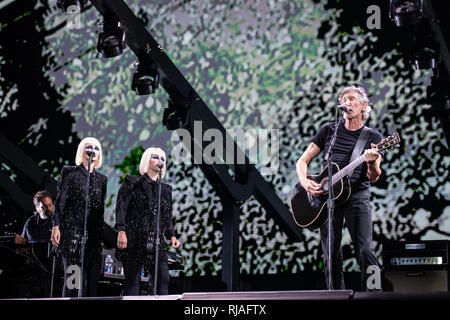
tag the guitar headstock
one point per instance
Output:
(389, 142)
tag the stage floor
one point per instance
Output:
(276, 295)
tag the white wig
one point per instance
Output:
(145, 160)
(80, 151)
(362, 98)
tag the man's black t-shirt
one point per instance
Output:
(37, 229)
(343, 148)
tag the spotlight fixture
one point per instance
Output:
(111, 41)
(425, 50)
(438, 96)
(425, 58)
(64, 5)
(145, 78)
(174, 116)
(439, 90)
(404, 13)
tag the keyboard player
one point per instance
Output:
(37, 230)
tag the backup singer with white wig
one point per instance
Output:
(68, 218)
(136, 212)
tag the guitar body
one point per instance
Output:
(311, 212)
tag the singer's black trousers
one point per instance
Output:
(358, 219)
(133, 269)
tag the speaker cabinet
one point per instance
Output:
(418, 281)
(417, 266)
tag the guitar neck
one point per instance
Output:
(344, 171)
(385, 144)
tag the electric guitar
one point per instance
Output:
(310, 211)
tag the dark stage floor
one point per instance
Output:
(278, 295)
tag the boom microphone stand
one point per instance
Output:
(330, 203)
(158, 213)
(85, 232)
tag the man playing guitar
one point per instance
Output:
(356, 210)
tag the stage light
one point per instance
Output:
(438, 93)
(172, 120)
(111, 41)
(438, 96)
(425, 50)
(174, 116)
(64, 5)
(425, 58)
(404, 13)
(145, 78)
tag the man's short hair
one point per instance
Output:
(362, 97)
(38, 196)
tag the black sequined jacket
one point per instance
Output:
(70, 206)
(136, 209)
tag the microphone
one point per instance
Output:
(90, 154)
(344, 108)
(161, 165)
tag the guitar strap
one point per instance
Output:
(359, 147)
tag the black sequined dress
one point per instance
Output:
(136, 209)
(70, 211)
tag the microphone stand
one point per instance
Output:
(157, 240)
(53, 276)
(330, 203)
(54, 252)
(85, 232)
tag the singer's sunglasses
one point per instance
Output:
(92, 148)
(157, 158)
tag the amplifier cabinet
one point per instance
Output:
(420, 266)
